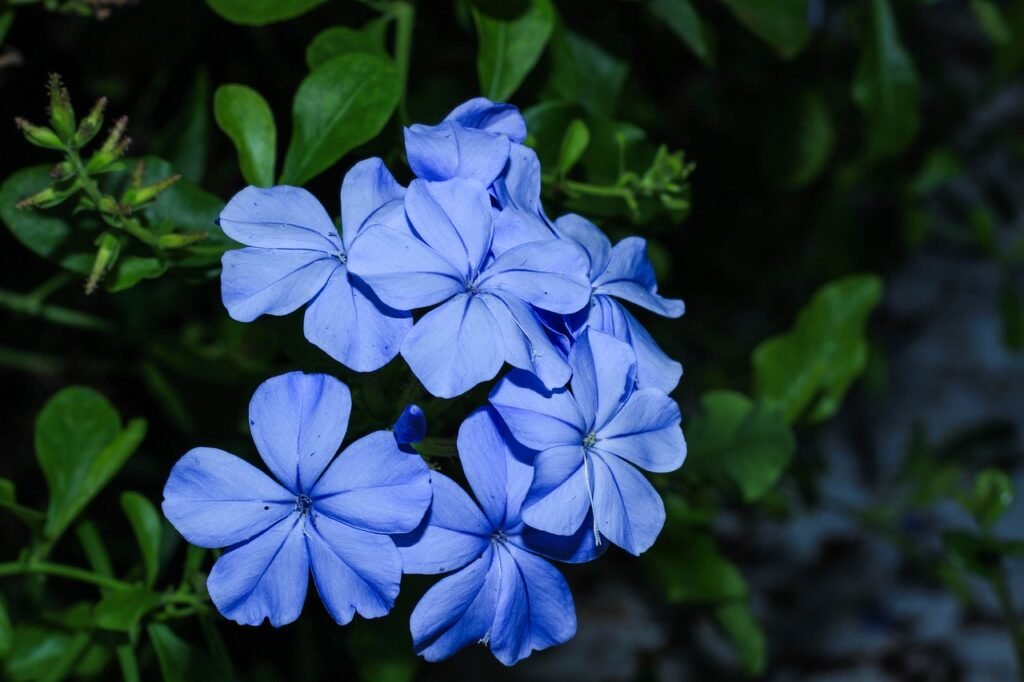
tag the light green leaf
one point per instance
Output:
(739, 442)
(683, 20)
(809, 368)
(146, 525)
(746, 635)
(261, 12)
(245, 117)
(885, 86)
(130, 270)
(6, 632)
(509, 47)
(575, 142)
(780, 23)
(342, 104)
(121, 610)
(338, 40)
(584, 73)
(80, 445)
(179, 661)
(990, 497)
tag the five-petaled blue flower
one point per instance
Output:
(486, 318)
(504, 594)
(295, 255)
(333, 517)
(589, 440)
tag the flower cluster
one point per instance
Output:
(553, 461)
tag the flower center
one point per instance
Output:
(498, 537)
(589, 440)
(342, 257)
(303, 504)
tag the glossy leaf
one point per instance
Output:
(575, 142)
(740, 443)
(130, 270)
(338, 40)
(342, 104)
(146, 524)
(808, 369)
(121, 610)
(39, 653)
(509, 47)
(682, 19)
(780, 23)
(261, 12)
(80, 445)
(584, 73)
(245, 117)
(746, 635)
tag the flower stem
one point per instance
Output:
(405, 17)
(61, 571)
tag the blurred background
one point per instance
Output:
(834, 188)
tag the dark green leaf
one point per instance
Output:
(7, 492)
(885, 85)
(432, 446)
(245, 117)
(738, 623)
(146, 525)
(780, 23)
(94, 547)
(992, 21)
(1011, 312)
(342, 104)
(80, 445)
(179, 661)
(371, 644)
(121, 610)
(6, 632)
(43, 654)
(338, 40)
(575, 142)
(799, 144)
(6, 19)
(981, 556)
(990, 497)
(739, 442)
(584, 73)
(682, 19)
(509, 48)
(809, 368)
(130, 270)
(261, 12)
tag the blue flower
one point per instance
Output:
(591, 441)
(503, 595)
(333, 517)
(623, 272)
(411, 425)
(295, 256)
(487, 317)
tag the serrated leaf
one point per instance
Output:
(261, 12)
(339, 106)
(245, 117)
(682, 19)
(509, 47)
(780, 23)
(338, 40)
(147, 527)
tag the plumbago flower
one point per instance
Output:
(486, 318)
(503, 593)
(591, 439)
(296, 256)
(333, 517)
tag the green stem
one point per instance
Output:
(92, 190)
(61, 571)
(1013, 622)
(50, 286)
(405, 17)
(29, 305)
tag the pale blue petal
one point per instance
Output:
(266, 578)
(455, 347)
(354, 571)
(558, 500)
(411, 425)
(513, 227)
(629, 511)
(537, 417)
(349, 323)
(451, 150)
(590, 237)
(498, 469)
(630, 276)
(603, 375)
(453, 218)
(519, 186)
(298, 422)
(279, 217)
(453, 533)
(578, 548)
(527, 344)
(654, 368)
(510, 633)
(370, 196)
(548, 274)
(374, 486)
(493, 117)
(258, 282)
(215, 499)
(646, 432)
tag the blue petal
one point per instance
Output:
(457, 611)
(266, 578)
(559, 498)
(453, 533)
(537, 417)
(628, 509)
(280, 217)
(498, 469)
(349, 323)
(401, 270)
(450, 150)
(411, 425)
(370, 196)
(646, 432)
(374, 486)
(513, 227)
(215, 499)
(654, 369)
(453, 218)
(519, 186)
(298, 422)
(493, 117)
(590, 237)
(258, 282)
(527, 344)
(577, 548)
(630, 276)
(455, 347)
(354, 571)
(603, 375)
(548, 274)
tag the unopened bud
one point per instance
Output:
(51, 196)
(106, 256)
(40, 136)
(137, 196)
(91, 124)
(178, 241)
(62, 171)
(62, 115)
(113, 148)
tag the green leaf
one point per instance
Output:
(261, 12)
(885, 86)
(809, 368)
(6, 19)
(584, 73)
(80, 445)
(1011, 313)
(800, 142)
(509, 47)
(780, 23)
(7, 493)
(146, 525)
(990, 497)
(342, 104)
(575, 142)
(6, 632)
(130, 270)
(245, 117)
(742, 443)
(39, 653)
(746, 635)
(683, 20)
(992, 21)
(121, 610)
(179, 661)
(338, 40)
